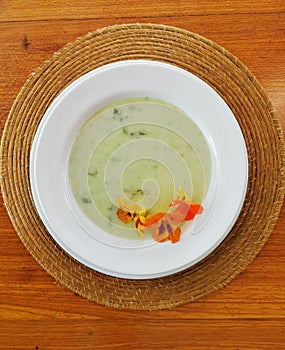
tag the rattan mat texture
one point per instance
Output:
(252, 109)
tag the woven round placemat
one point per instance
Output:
(249, 103)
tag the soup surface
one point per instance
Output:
(140, 150)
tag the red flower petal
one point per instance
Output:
(193, 210)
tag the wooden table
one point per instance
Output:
(36, 312)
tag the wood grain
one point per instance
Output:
(36, 312)
(59, 9)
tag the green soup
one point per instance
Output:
(140, 150)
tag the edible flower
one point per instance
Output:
(185, 210)
(163, 225)
(132, 212)
(163, 228)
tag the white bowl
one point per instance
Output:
(52, 145)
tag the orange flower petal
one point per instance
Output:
(174, 237)
(124, 216)
(181, 206)
(184, 211)
(176, 218)
(193, 210)
(196, 208)
(153, 219)
(160, 231)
